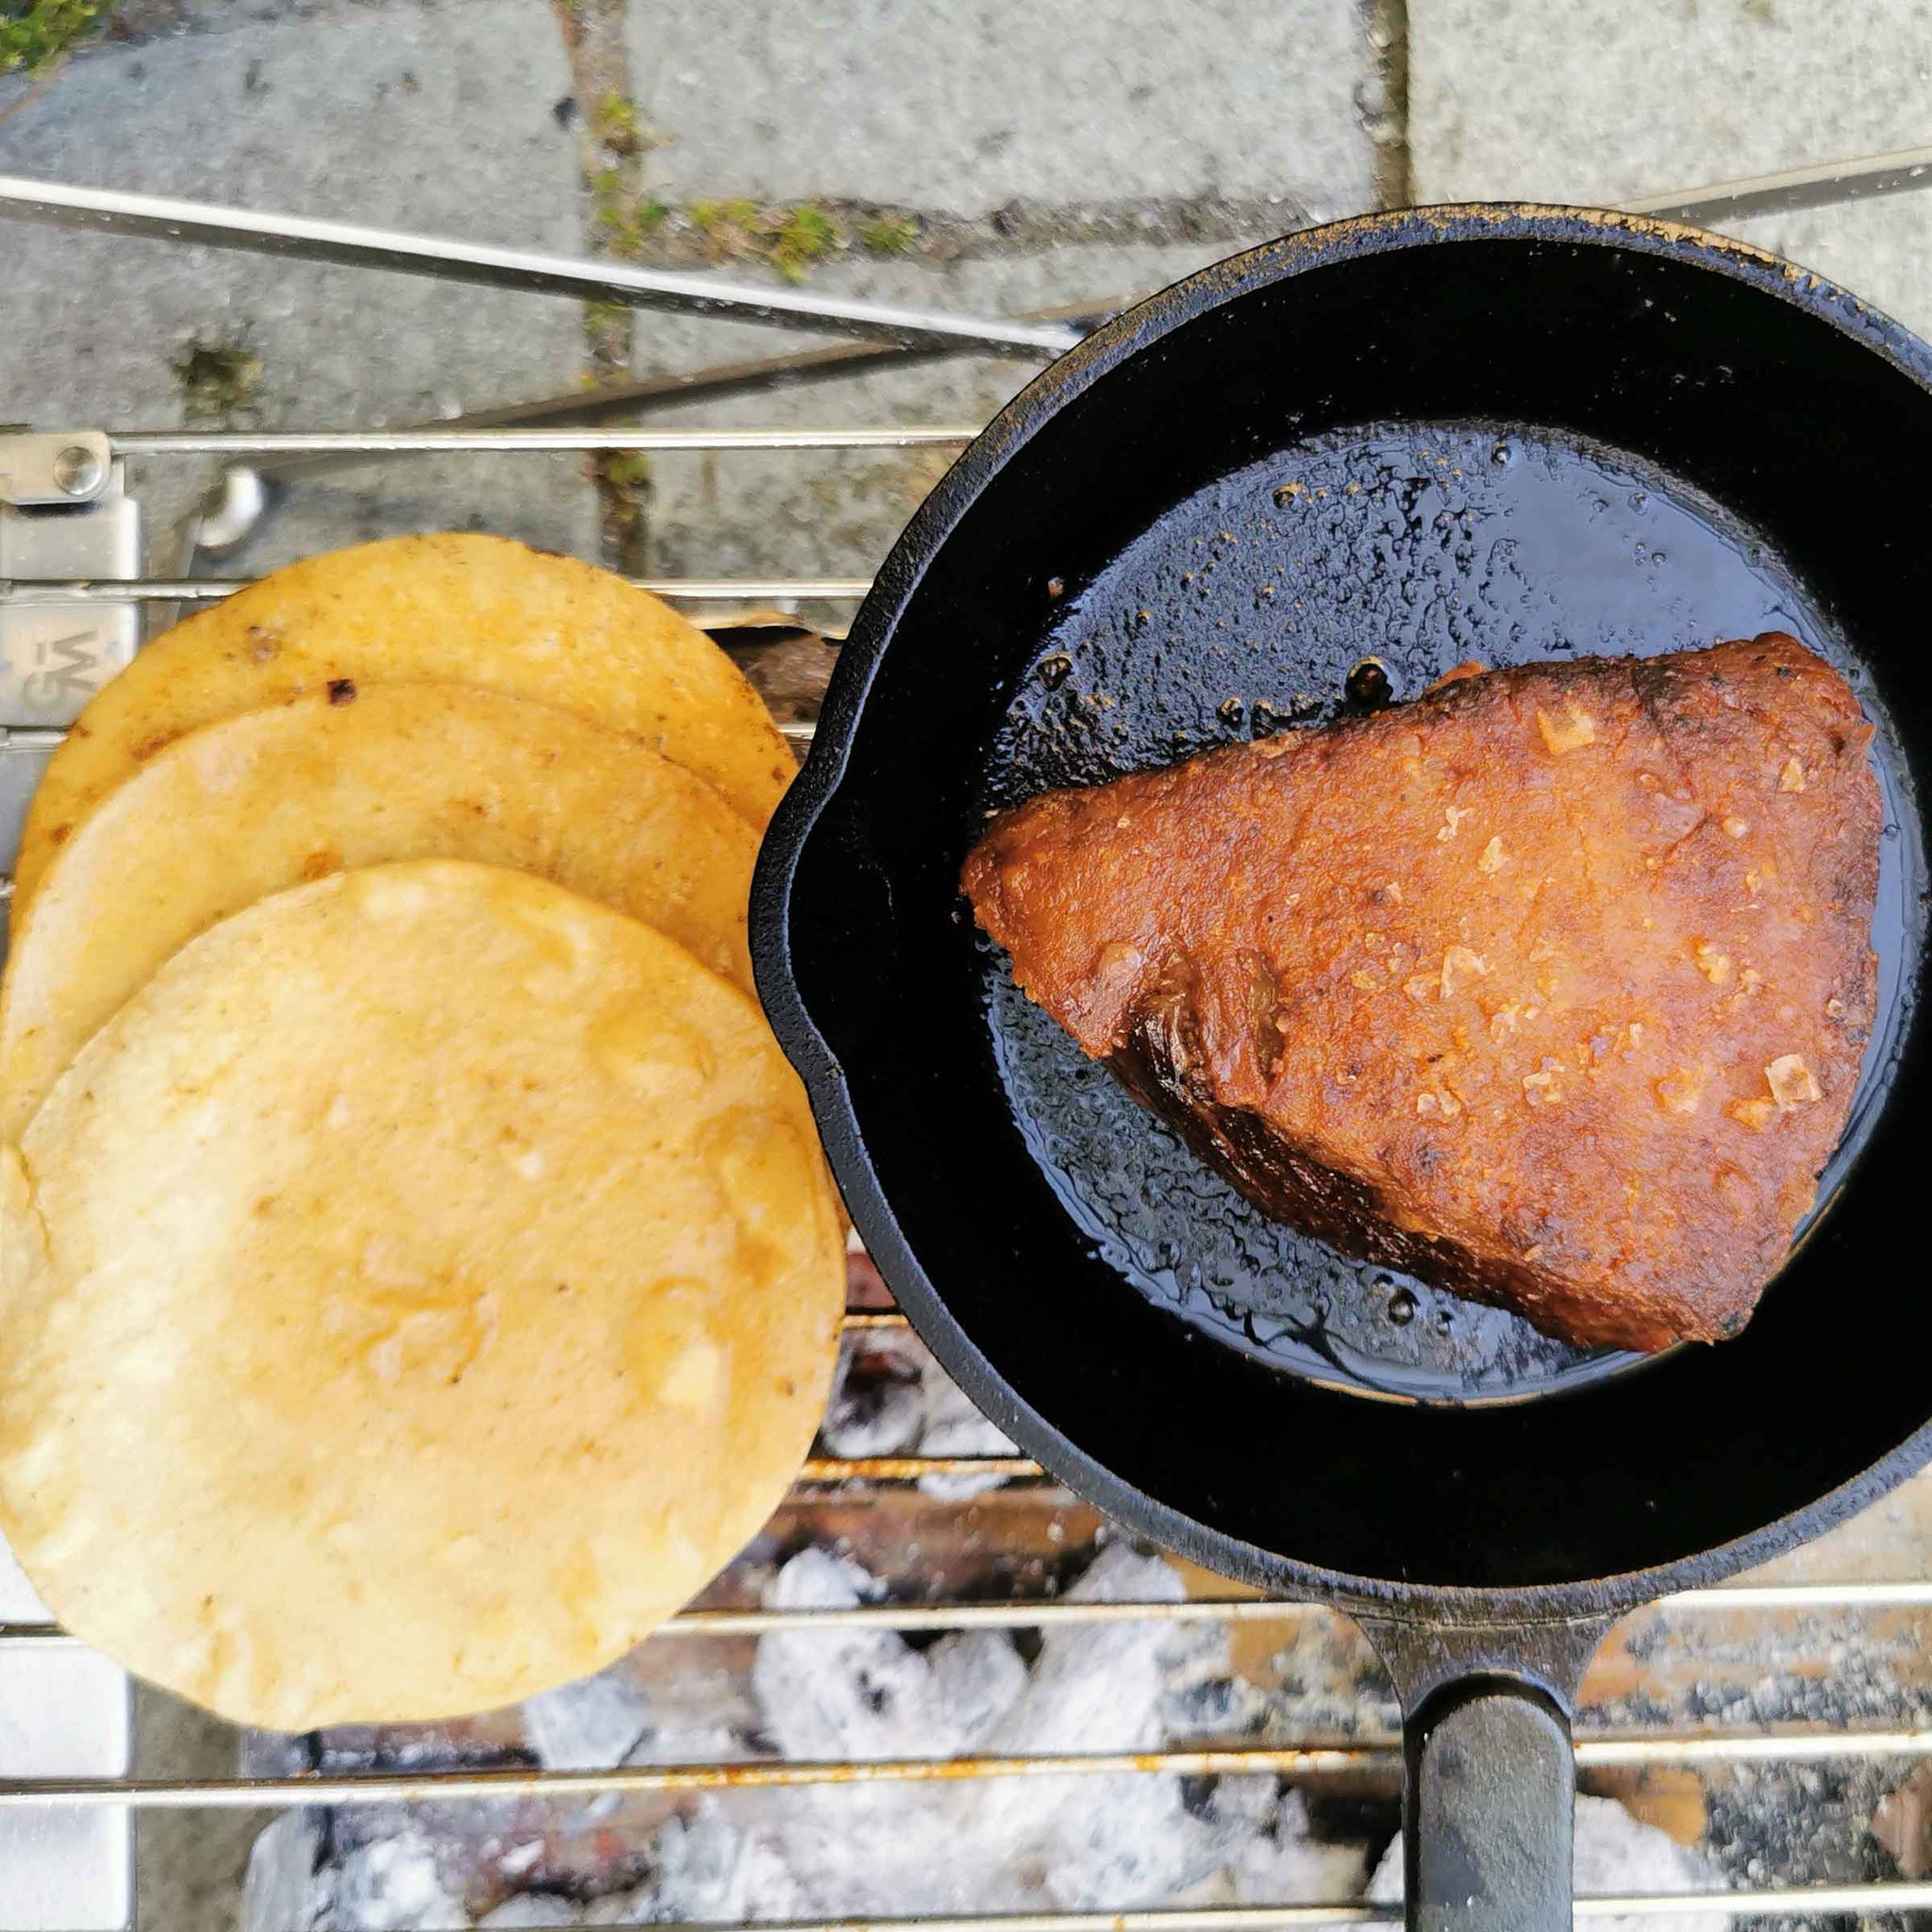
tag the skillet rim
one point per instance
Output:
(797, 817)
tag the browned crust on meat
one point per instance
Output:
(1550, 987)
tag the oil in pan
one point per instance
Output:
(1351, 569)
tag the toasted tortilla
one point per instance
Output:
(414, 1294)
(268, 800)
(467, 609)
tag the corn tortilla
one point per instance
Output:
(414, 1294)
(257, 804)
(468, 609)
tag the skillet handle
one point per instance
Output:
(1487, 1810)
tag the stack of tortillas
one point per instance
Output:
(418, 1273)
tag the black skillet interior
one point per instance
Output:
(1489, 434)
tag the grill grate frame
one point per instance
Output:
(921, 334)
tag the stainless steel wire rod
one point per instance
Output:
(353, 244)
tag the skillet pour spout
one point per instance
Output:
(1567, 430)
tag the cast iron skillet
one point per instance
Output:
(1565, 430)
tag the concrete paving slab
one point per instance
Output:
(1880, 250)
(409, 113)
(804, 514)
(835, 515)
(441, 115)
(1596, 100)
(964, 108)
(388, 122)
(189, 1864)
(1599, 100)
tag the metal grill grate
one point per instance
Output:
(865, 1479)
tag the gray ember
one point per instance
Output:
(1061, 1843)
(1614, 1852)
(1077, 1843)
(890, 1398)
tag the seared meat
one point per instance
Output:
(1550, 988)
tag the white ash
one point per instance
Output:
(1615, 1853)
(879, 1400)
(955, 1427)
(391, 1885)
(588, 1725)
(531, 1909)
(1284, 1860)
(1007, 1844)
(855, 1851)
(393, 1880)
(703, 1715)
(520, 1857)
(890, 1398)
(705, 1873)
(866, 1693)
(287, 1888)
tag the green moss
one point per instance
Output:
(618, 126)
(626, 219)
(617, 114)
(790, 238)
(718, 218)
(629, 226)
(628, 470)
(34, 34)
(217, 381)
(888, 234)
(800, 239)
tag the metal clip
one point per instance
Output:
(41, 472)
(64, 513)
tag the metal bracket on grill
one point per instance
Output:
(64, 513)
(39, 471)
(70, 594)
